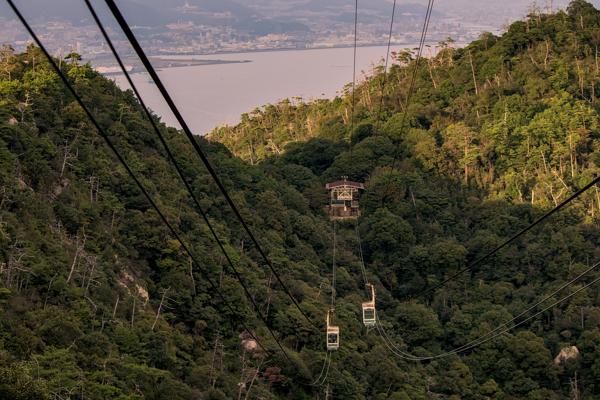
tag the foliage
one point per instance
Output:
(497, 133)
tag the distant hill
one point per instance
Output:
(261, 17)
(157, 14)
(77, 13)
(483, 10)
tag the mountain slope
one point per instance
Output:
(85, 264)
(491, 114)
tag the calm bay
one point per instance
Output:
(217, 94)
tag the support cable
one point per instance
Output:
(501, 329)
(387, 59)
(104, 135)
(165, 94)
(362, 258)
(413, 79)
(394, 349)
(182, 176)
(513, 238)
(327, 371)
(354, 74)
(317, 382)
(478, 261)
(333, 269)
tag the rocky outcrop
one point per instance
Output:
(127, 281)
(566, 354)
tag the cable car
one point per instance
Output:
(333, 336)
(343, 202)
(368, 309)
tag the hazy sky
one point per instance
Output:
(251, 14)
(497, 9)
(506, 10)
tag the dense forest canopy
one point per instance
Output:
(98, 301)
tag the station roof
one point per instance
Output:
(344, 183)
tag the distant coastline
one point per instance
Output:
(162, 63)
(291, 48)
(185, 59)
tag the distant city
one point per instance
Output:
(224, 26)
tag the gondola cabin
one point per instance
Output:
(333, 336)
(368, 309)
(343, 203)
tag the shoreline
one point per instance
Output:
(284, 49)
(269, 78)
(161, 61)
(161, 64)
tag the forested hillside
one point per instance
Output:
(99, 301)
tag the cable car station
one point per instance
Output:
(343, 203)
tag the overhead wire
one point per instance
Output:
(157, 81)
(333, 269)
(392, 347)
(463, 348)
(409, 94)
(501, 329)
(415, 71)
(124, 163)
(480, 340)
(333, 300)
(167, 97)
(387, 59)
(318, 380)
(175, 163)
(413, 358)
(353, 107)
(362, 258)
(326, 376)
(479, 260)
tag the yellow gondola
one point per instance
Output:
(368, 309)
(333, 336)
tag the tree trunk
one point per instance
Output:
(212, 365)
(252, 381)
(78, 250)
(571, 155)
(429, 63)
(473, 72)
(192, 275)
(133, 313)
(115, 307)
(547, 55)
(162, 300)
